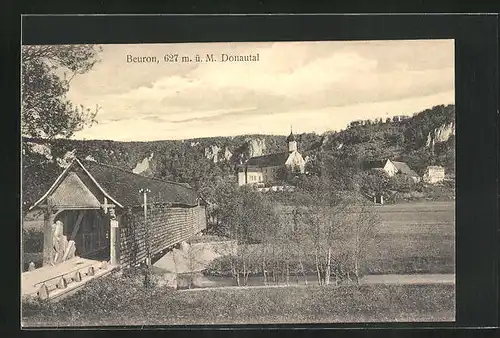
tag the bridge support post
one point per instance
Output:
(48, 219)
(113, 240)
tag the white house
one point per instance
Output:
(433, 174)
(392, 168)
(273, 167)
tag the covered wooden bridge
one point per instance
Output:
(96, 212)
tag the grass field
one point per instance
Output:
(116, 300)
(414, 238)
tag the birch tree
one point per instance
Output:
(340, 226)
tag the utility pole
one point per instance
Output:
(145, 192)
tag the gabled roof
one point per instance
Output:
(269, 160)
(435, 167)
(404, 169)
(122, 187)
(374, 164)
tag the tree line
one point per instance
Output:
(317, 230)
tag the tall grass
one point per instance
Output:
(119, 300)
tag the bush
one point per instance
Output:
(32, 240)
(35, 257)
(32, 246)
(402, 183)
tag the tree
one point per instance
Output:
(402, 183)
(395, 139)
(358, 228)
(335, 227)
(374, 182)
(45, 110)
(246, 216)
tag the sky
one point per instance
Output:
(309, 86)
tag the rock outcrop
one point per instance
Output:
(41, 149)
(212, 153)
(256, 147)
(143, 166)
(441, 134)
(227, 154)
(66, 160)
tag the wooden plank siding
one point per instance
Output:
(168, 226)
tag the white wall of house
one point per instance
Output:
(241, 178)
(434, 174)
(254, 176)
(390, 168)
(295, 160)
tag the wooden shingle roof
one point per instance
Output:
(123, 187)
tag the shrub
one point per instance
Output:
(35, 257)
(32, 246)
(32, 240)
(402, 183)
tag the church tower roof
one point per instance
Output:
(291, 137)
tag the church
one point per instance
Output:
(272, 168)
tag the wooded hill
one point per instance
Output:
(427, 138)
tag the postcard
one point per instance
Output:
(238, 183)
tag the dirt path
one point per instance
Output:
(372, 279)
(409, 279)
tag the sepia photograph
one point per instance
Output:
(226, 183)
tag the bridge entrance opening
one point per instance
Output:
(90, 232)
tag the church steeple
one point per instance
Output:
(292, 143)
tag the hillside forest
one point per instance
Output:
(426, 138)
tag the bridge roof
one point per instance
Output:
(123, 187)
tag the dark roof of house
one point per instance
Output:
(435, 167)
(374, 164)
(268, 160)
(124, 186)
(404, 169)
(290, 137)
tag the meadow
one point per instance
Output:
(118, 300)
(416, 237)
(412, 238)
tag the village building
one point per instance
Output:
(392, 168)
(272, 168)
(96, 211)
(433, 174)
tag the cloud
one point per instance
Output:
(290, 78)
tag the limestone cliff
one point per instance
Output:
(212, 153)
(256, 147)
(440, 134)
(40, 149)
(144, 167)
(227, 154)
(66, 160)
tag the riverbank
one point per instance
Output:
(210, 282)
